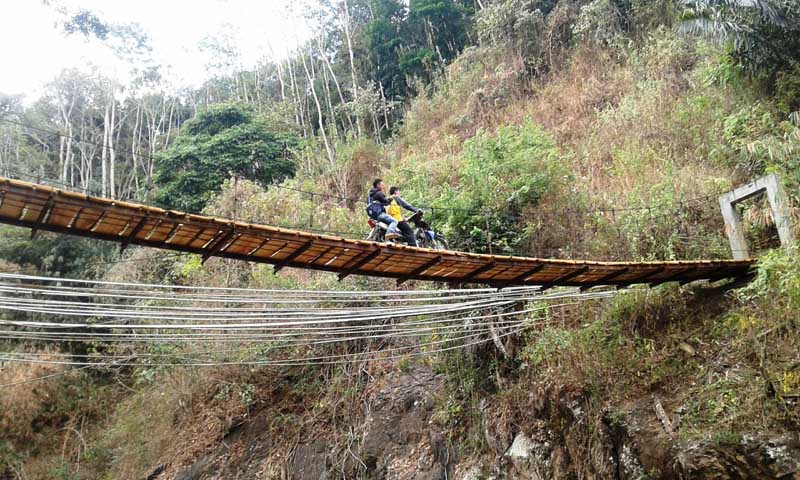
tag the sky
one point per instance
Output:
(34, 49)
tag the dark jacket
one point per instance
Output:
(376, 203)
(377, 196)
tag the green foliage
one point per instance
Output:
(764, 35)
(549, 342)
(59, 255)
(443, 22)
(64, 471)
(748, 123)
(518, 25)
(619, 343)
(787, 90)
(139, 432)
(504, 173)
(221, 142)
(470, 377)
(9, 458)
(403, 44)
(602, 23)
(644, 312)
(778, 152)
(418, 63)
(243, 392)
(776, 287)
(715, 403)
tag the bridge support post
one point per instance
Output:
(778, 202)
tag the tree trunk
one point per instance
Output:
(299, 115)
(353, 76)
(328, 148)
(280, 79)
(112, 154)
(338, 87)
(328, 101)
(104, 153)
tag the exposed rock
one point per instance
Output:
(472, 473)
(522, 447)
(556, 433)
(400, 441)
(310, 462)
(752, 457)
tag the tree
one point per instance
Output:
(442, 24)
(764, 34)
(223, 141)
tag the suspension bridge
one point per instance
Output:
(45, 208)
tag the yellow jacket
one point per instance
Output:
(394, 210)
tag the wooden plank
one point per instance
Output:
(313, 260)
(604, 280)
(196, 236)
(74, 219)
(44, 214)
(671, 278)
(216, 244)
(153, 230)
(258, 247)
(645, 276)
(466, 278)
(296, 253)
(419, 270)
(521, 278)
(98, 220)
(172, 232)
(564, 278)
(356, 264)
(139, 226)
(226, 245)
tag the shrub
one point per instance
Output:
(517, 25)
(601, 22)
(775, 291)
(22, 405)
(501, 173)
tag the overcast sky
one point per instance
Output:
(33, 49)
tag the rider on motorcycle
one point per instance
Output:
(376, 209)
(395, 211)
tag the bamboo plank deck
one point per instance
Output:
(40, 207)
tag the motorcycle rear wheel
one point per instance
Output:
(376, 235)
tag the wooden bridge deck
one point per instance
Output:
(44, 208)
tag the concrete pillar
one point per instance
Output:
(779, 204)
(733, 227)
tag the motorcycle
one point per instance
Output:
(425, 236)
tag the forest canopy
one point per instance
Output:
(221, 142)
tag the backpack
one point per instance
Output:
(373, 209)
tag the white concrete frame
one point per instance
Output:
(778, 201)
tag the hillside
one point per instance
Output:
(601, 130)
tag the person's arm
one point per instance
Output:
(405, 204)
(381, 198)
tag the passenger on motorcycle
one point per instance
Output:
(376, 209)
(395, 210)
